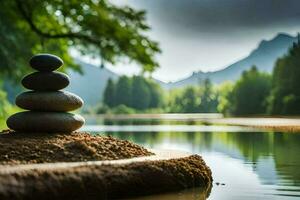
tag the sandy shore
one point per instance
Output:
(280, 124)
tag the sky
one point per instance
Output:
(208, 35)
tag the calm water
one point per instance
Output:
(246, 163)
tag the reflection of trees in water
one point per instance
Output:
(284, 148)
(252, 145)
(287, 155)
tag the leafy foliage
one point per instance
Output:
(136, 92)
(156, 92)
(5, 107)
(122, 109)
(224, 97)
(123, 91)
(190, 99)
(109, 93)
(94, 27)
(285, 97)
(250, 93)
(208, 99)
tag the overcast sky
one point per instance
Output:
(208, 35)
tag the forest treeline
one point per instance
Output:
(254, 93)
(132, 93)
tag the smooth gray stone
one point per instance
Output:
(45, 122)
(49, 101)
(45, 62)
(45, 81)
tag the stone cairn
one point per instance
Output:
(48, 106)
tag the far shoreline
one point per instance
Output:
(269, 123)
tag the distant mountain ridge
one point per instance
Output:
(264, 57)
(91, 84)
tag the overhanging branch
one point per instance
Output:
(28, 19)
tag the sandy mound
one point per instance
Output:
(24, 148)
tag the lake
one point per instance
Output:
(246, 163)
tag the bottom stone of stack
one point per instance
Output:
(31, 121)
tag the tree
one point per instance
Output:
(123, 91)
(190, 100)
(109, 94)
(224, 97)
(250, 93)
(209, 100)
(141, 96)
(285, 96)
(136, 92)
(92, 27)
(156, 94)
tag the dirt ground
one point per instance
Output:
(25, 148)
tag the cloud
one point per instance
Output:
(221, 15)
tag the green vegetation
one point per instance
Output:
(109, 93)
(130, 95)
(123, 92)
(186, 101)
(285, 98)
(224, 93)
(95, 28)
(5, 108)
(202, 98)
(250, 93)
(144, 95)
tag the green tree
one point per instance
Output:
(141, 96)
(224, 97)
(6, 108)
(92, 27)
(123, 91)
(174, 100)
(208, 99)
(109, 94)
(190, 100)
(250, 93)
(156, 92)
(285, 95)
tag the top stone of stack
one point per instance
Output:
(45, 62)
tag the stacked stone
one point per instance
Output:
(48, 106)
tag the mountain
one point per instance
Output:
(264, 57)
(90, 85)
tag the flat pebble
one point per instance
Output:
(44, 81)
(59, 101)
(45, 62)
